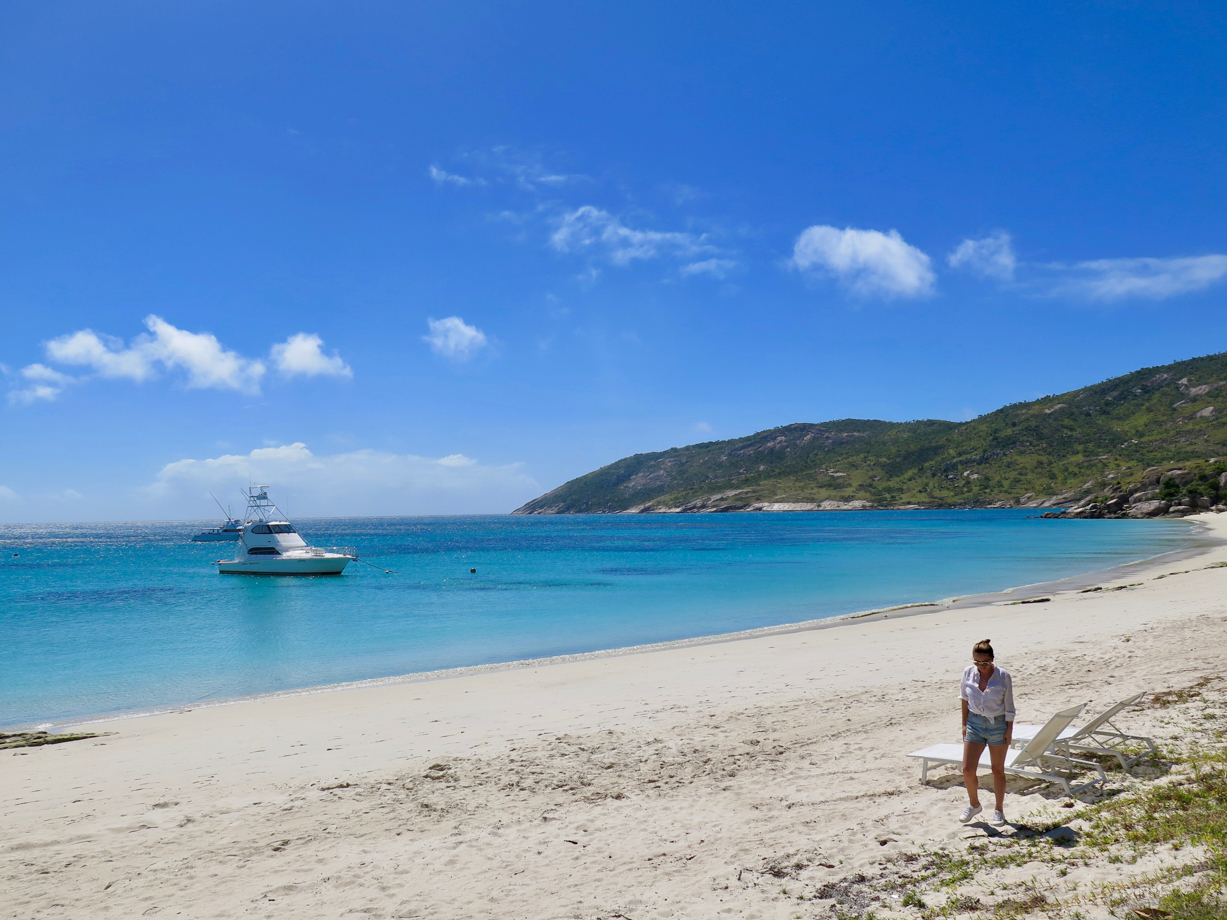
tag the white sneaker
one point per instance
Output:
(970, 812)
(997, 819)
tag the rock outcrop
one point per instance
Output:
(1173, 493)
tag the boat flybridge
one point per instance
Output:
(269, 545)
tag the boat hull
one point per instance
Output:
(285, 565)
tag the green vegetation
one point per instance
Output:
(1063, 447)
(1189, 811)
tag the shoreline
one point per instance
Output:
(760, 777)
(1204, 538)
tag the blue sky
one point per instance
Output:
(441, 257)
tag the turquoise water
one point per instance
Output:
(102, 618)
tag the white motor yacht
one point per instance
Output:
(269, 545)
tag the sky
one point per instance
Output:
(439, 258)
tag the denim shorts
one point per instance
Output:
(983, 730)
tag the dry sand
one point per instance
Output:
(696, 781)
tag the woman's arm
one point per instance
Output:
(963, 734)
(1009, 708)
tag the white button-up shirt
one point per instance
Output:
(997, 697)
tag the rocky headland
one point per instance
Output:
(1160, 430)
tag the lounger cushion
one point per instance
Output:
(953, 753)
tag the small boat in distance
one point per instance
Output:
(269, 545)
(232, 529)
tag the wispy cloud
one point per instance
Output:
(505, 165)
(38, 383)
(8, 495)
(302, 355)
(356, 482)
(1103, 280)
(591, 229)
(1145, 278)
(681, 193)
(991, 256)
(527, 169)
(454, 338)
(443, 177)
(868, 262)
(717, 268)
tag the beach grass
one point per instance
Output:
(1165, 828)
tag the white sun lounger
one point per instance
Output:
(1037, 760)
(1098, 736)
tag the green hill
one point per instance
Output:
(1049, 452)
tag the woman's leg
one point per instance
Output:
(996, 755)
(971, 763)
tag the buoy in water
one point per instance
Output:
(472, 571)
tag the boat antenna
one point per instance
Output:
(228, 515)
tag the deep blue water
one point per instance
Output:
(100, 618)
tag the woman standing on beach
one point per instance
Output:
(987, 694)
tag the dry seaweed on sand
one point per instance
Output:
(38, 739)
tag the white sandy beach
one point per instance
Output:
(693, 781)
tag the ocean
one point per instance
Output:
(106, 618)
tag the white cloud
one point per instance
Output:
(362, 482)
(592, 229)
(443, 177)
(302, 355)
(104, 354)
(1152, 279)
(990, 256)
(454, 338)
(207, 363)
(868, 262)
(702, 428)
(717, 268)
(44, 383)
(8, 495)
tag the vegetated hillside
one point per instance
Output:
(1049, 452)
